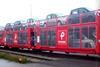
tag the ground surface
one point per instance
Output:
(67, 62)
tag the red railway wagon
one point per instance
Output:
(2, 36)
(19, 35)
(77, 33)
(9, 35)
(24, 35)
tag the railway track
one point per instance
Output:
(51, 56)
(30, 55)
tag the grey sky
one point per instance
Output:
(12, 10)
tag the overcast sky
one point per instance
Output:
(12, 10)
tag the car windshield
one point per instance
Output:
(51, 16)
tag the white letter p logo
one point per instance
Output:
(62, 35)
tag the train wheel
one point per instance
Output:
(87, 55)
(30, 49)
(14, 49)
(50, 51)
(39, 50)
(20, 48)
(6, 47)
(10, 47)
(67, 52)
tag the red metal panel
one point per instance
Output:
(2, 38)
(62, 37)
(98, 33)
(10, 45)
(37, 30)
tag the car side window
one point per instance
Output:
(83, 11)
(51, 16)
(54, 16)
(74, 11)
(48, 17)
